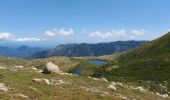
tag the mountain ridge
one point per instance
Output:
(85, 49)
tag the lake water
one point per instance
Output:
(98, 62)
(79, 70)
(95, 62)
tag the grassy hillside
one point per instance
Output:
(20, 84)
(148, 65)
(148, 62)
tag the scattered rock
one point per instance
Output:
(18, 66)
(3, 87)
(40, 80)
(104, 79)
(21, 95)
(67, 58)
(47, 81)
(162, 95)
(59, 82)
(87, 89)
(123, 97)
(50, 68)
(2, 67)
(32, 88)
(113, 83)
(70, 74)
(119, 84)
(37, 80)
(112, 86)
(13, 70)
(34, 68)
(50, 82)
(139, 88)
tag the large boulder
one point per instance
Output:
(50, 68)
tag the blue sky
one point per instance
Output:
(53, 22)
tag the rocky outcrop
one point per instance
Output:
(50, 68)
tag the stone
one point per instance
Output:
(162, 95)
(112, 86)
(18, 66)
(2, 67)
(104, 79)
(50, 68)
(119, 84)
(34, 68)
(3, 87)
(113, 83)
(21, 95)
(47, 81)
(37, 80)
(40, 80)
(141, 89)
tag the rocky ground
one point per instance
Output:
(24, 81)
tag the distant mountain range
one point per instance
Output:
(20, 52)
(84, 49)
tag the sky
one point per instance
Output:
(54, 22)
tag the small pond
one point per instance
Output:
(79, 70)
(98, 62)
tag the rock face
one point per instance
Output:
(50, 68)
(3, 87)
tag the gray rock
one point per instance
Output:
(21, 95)
(162, 95)
(41, 80)
(112, 86)
(50, 68)
(3, 87)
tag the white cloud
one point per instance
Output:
(5, 36)
(116, 33)
(137, 33)
(49, 33)
(62, 32)
(119, 33)
(27, 39)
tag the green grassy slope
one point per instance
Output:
(150, 62)
(19, 81)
